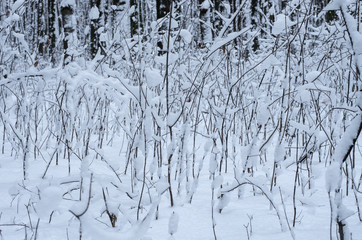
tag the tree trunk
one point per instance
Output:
(67, 15)
(205, 31)
(94, 26)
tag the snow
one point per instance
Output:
(302, 127)
(21, 39)
(94, 13)
(172, 118)
(279, 24)
(312, 75)
(171, 58)
(271, 61)
(263, 113)
(186, 35)
(279, 153)
(347, 139)
(162, 186)
(333, 177)
(50, 200)
(17, 4)
(90, 147)
(205, 4)
(216, 183)
(153, 77)
(186, 221)
(332, 5)
(173, 223)
(174, 24)
(223, 201)
(219, 42)
(65, 3)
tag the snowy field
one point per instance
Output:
(41, 207)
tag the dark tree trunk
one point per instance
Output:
(50, 44)
(205, 19)
(94, 26)
(41, 28)
(254, 22)
(162, 9)
(136, 18)
(67, 13)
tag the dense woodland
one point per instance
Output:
(117, 116)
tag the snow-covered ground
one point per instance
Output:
(251, 216)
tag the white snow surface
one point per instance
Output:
(153, 77)
(281, 23)
(205, 4)
(17, 4)
(65, 3)
(186, 35)
(94, 13)
(190, 221)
